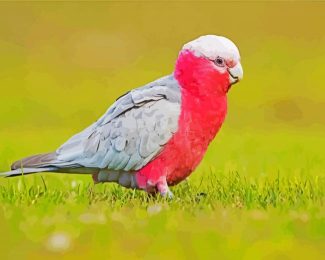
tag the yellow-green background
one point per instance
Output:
(63, 63)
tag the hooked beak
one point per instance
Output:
(235, 73)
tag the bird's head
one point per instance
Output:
(210, 59)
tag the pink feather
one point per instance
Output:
(203, 110)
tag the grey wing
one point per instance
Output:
(131, 133)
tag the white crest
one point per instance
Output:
(213, 46)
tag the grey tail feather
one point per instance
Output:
(46, 162)
(36, 161)
(23, 171)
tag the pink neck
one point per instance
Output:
(204, 100)
(198, 76)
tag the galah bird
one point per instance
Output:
(153, 136)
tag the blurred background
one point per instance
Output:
(63, 63)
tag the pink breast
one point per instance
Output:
(202, 114)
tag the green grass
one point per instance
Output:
(236, 205)
(225, 216)
(226, 190)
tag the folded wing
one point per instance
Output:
(130, 134)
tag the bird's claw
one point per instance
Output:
(164, 190)
(168, 194)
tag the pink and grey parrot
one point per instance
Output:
(153, 136)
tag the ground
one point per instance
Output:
(258, 199)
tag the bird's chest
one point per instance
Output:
(199, 122)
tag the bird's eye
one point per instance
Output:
(219, 62)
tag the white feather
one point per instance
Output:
(213, 46)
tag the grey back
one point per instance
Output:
(131, 133)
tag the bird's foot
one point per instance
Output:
(168, 195)
(95, 177)
(163, 188)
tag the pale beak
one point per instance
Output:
(235, 73)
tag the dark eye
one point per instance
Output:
(219, 62)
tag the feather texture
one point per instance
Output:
(128, 136)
